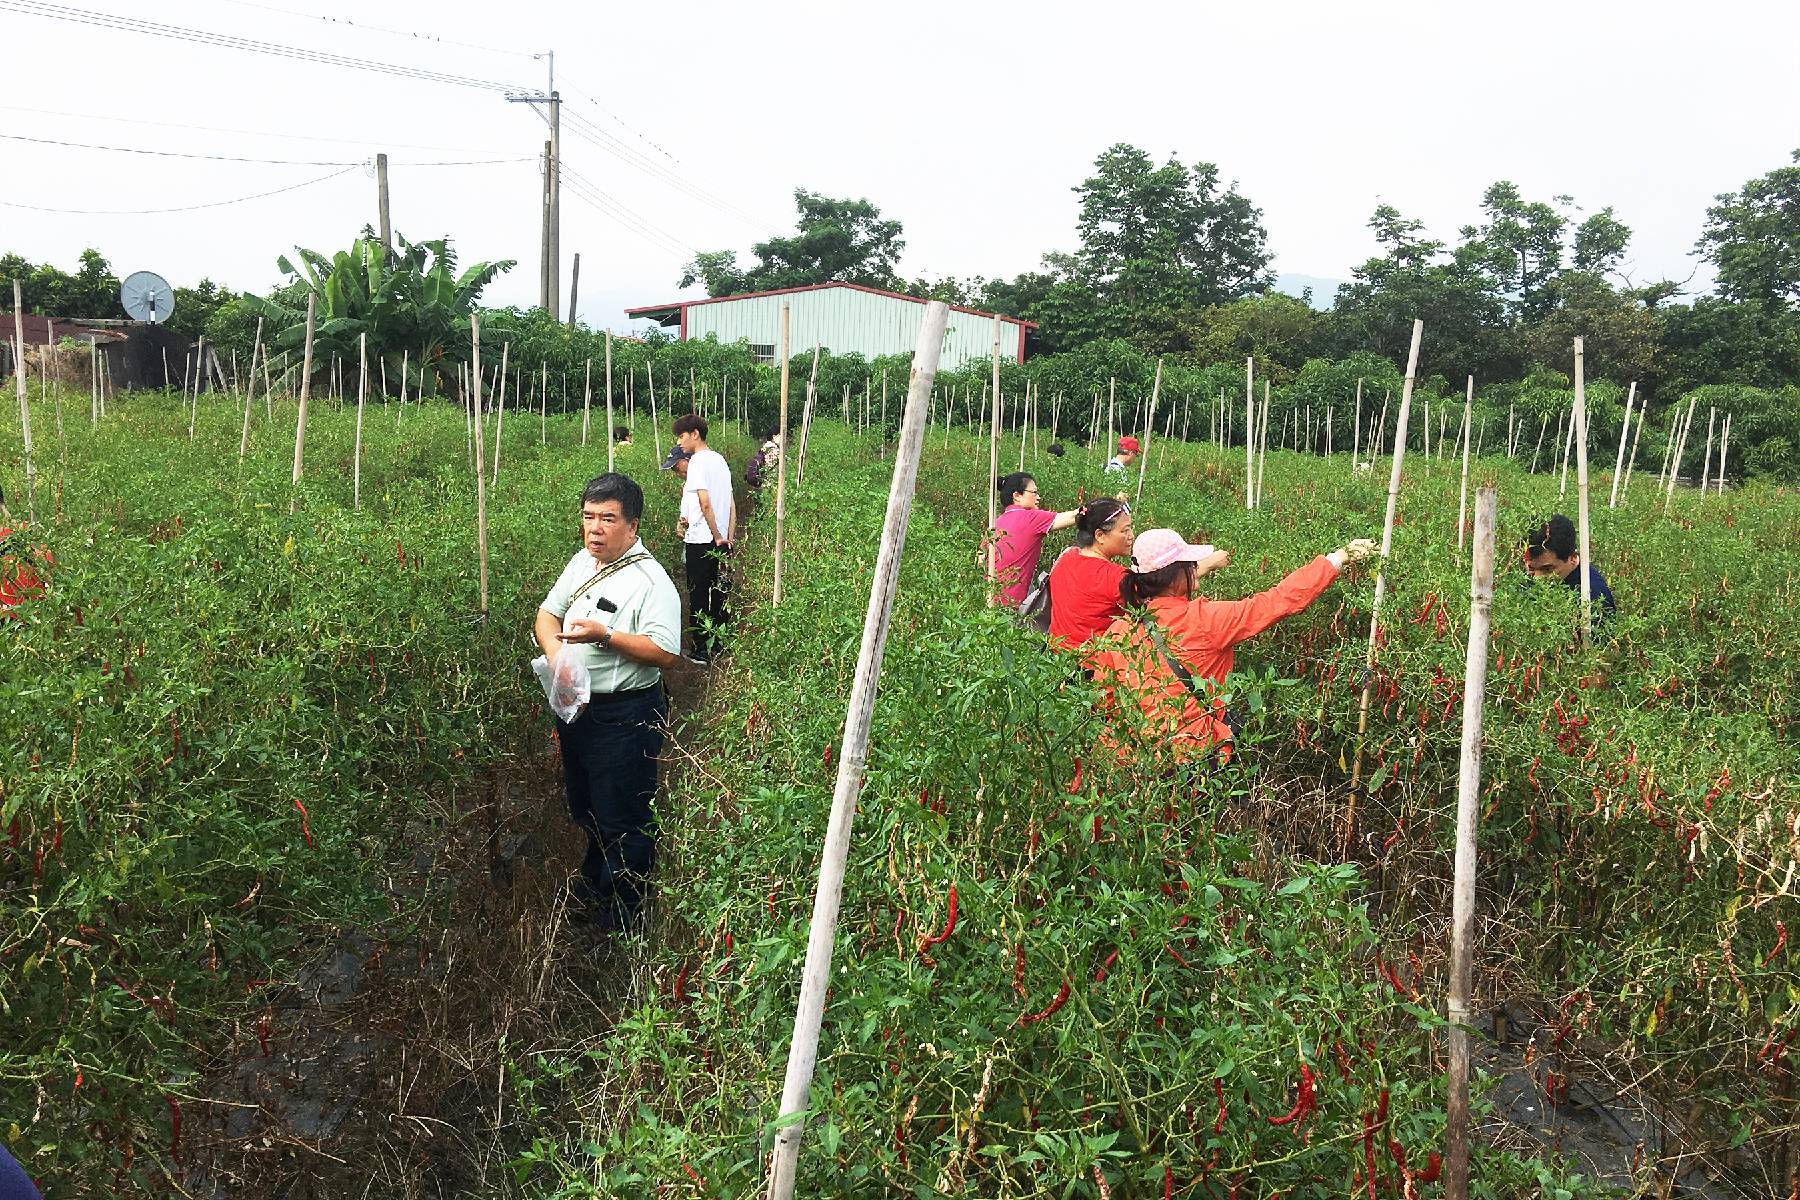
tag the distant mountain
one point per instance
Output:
(1322, 289)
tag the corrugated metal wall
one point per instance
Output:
(845, 321)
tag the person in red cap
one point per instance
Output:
(1171, 643)
(1128, 452)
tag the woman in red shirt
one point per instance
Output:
(1173, 625)
(1084, 584)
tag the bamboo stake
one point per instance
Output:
(806, 415)
(655, 427)
(1387, 546)
(1356, 431)
(1706, 461)
(1112, 412)
(1462, 904)
(993, 464)
(362, 389)
(1680, 450)
(1619, 459)
(499, 411)
(244, 438)
(781, 450)
(1543, 425)
(1381, 424)
(1328, 413)
(199, 379)
(544, 405)
(312, 301)
(1262, 440)
(1462, 495)
(1724, 447)
(481, 538)
(1149, 427)
(1568, 445)
(24, 402)
(1643, 411)
(1581, 489)
(1250, 432)
(816, 975)
(612, 440)
(94, 379)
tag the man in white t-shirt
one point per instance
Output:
(615, 606)
(711, 514)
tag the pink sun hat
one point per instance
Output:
(1155, 549)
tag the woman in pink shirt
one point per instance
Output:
(1019, 536)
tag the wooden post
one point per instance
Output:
(244, 438)
(1328, 413)
(481, 545)
(781, 452)
(499, 411)
(1381, 424)
(816, 975)
(381, 201)
(1568, 445)
(24, 401)
(1543, 425)
(655, 429)
(1462, 495)
(362, 390)
(1619, 460)
(199, 379)
(1356, 430)
(544, 405)
(312, 303)
(993, 487)
(1581, 488)
(1387, 546)
(1724, 447)
(1112, 414)
(1643, 411)
(1262, 442)
(1706, 461)
(1462, 904)
(612, 442)
(94, 379)
(1149, 427)
(587, 405)
(1687, 423)
(1250, 432)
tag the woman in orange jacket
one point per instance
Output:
(1171, 644)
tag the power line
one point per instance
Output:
(611, 206)
(265, 133)
(408, 34)
(584, 128)
(281, 162)
(144, 212)
(58, 12)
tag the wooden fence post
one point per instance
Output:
(1462, 495)
(781, 453)
(481, 545)
(312, 301)
(1619, 459)
(1149, 428)
(1468, 800)
(1579, 420)
(816, 975)
(362, 391)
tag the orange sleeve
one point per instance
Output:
(1234, 621)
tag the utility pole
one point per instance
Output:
(574, 287)
(549, 276)
(381, 200)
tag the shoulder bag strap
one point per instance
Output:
(1174, 664)
(607, 572)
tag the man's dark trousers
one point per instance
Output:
(609, 757)
(706, 596)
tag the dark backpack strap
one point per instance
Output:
(1174, 664)
(607, 572)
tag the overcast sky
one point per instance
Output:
(968, 122)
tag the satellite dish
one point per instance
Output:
(147, 296)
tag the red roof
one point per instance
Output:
(650, 310)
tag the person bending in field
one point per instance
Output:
(615, 606)
(1171, 643)
(1084, 586)
(1552, 551)
(622, 436)
(1128, 452)
(708, 507)
(1019, 534)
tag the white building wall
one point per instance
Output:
(849, 321)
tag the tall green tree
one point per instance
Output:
(835, 241)
(1158, 240)
(1752, 236)
(91, 291)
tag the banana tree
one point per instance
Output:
(413, 305)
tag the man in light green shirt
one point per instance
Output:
(616, 606)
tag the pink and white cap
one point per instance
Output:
(1155, 549)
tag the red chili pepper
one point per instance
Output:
(1044, 1014)
(1303, 1100)
(695, 1176)
(681, 984)
(1343, 1059)
(1168, 1184)
(174, 1128)
(1096, 834)
(1780, 941)
(1019, 970)
(949, 923)
(1368, 1138)
(827, 756)
(305, 824)
(1075, 783)
(1219, 1092)
(1105, 966)
(1433, 1168)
